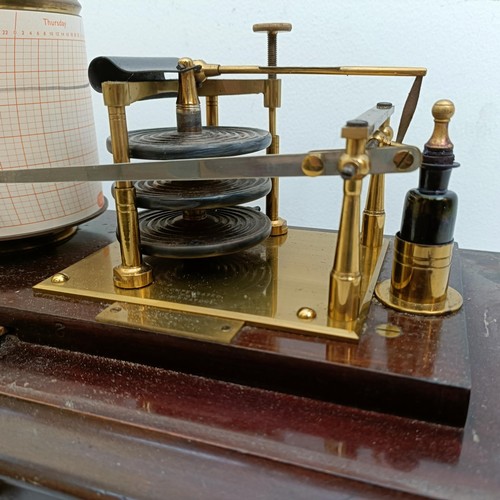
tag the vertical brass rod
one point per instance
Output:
(272, 199)
(212, 110)
(372, 232)
(132, 272)
(372, 228)
(279, 225)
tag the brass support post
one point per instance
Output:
(132, 272)
(279, 225)
(372, 232)
(212, 108)
(345, 278)
(372, 228)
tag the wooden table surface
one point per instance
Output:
(88, 426)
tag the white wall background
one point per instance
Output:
(458, 41)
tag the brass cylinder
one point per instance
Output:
(188, 110)
(419, 282)
(420, 273)
(129, 232)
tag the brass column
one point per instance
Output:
(132, 272)
(372, 232)
(373, 220)
(212, 110)
(345, 278)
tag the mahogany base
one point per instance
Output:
(79, 424)
(423, 373)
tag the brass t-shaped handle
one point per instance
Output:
(272, 30)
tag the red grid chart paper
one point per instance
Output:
(45, 120)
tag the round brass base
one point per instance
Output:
(279, 227)
(132, 277)
(452, 303)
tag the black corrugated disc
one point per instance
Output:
(222, 231)
(169, 144)
(189, 195)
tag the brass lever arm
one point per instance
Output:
(216, 70)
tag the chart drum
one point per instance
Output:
(47, 119)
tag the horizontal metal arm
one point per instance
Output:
(382, 161)
(213, 70)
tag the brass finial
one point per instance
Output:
(442, 111)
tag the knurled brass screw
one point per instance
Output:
(272, 30)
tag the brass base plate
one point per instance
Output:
(265, 286)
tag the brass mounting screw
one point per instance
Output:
(272, 30)
(306, 313)
(312, 165)
(388, 331)
(59, 278)
(403, 159)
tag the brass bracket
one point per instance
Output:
(177, 323)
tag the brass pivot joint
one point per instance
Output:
(345, 278)
(354, 163)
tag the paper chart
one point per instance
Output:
(45, 120)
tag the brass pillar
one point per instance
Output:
(345, 278)
(132, 272)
